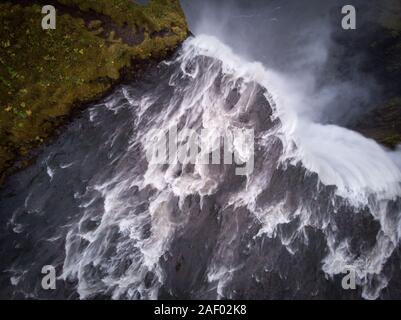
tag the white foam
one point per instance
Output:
(357, 166)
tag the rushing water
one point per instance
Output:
(319, 200)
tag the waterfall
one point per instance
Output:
(318, 200)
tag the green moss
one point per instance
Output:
(44, 74)
(155, 16)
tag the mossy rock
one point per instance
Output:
(383, 124)
(45, 74)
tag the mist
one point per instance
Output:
(297, 40)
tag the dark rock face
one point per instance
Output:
(381, 44)
(383, 124)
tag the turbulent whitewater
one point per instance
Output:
(320, 200)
